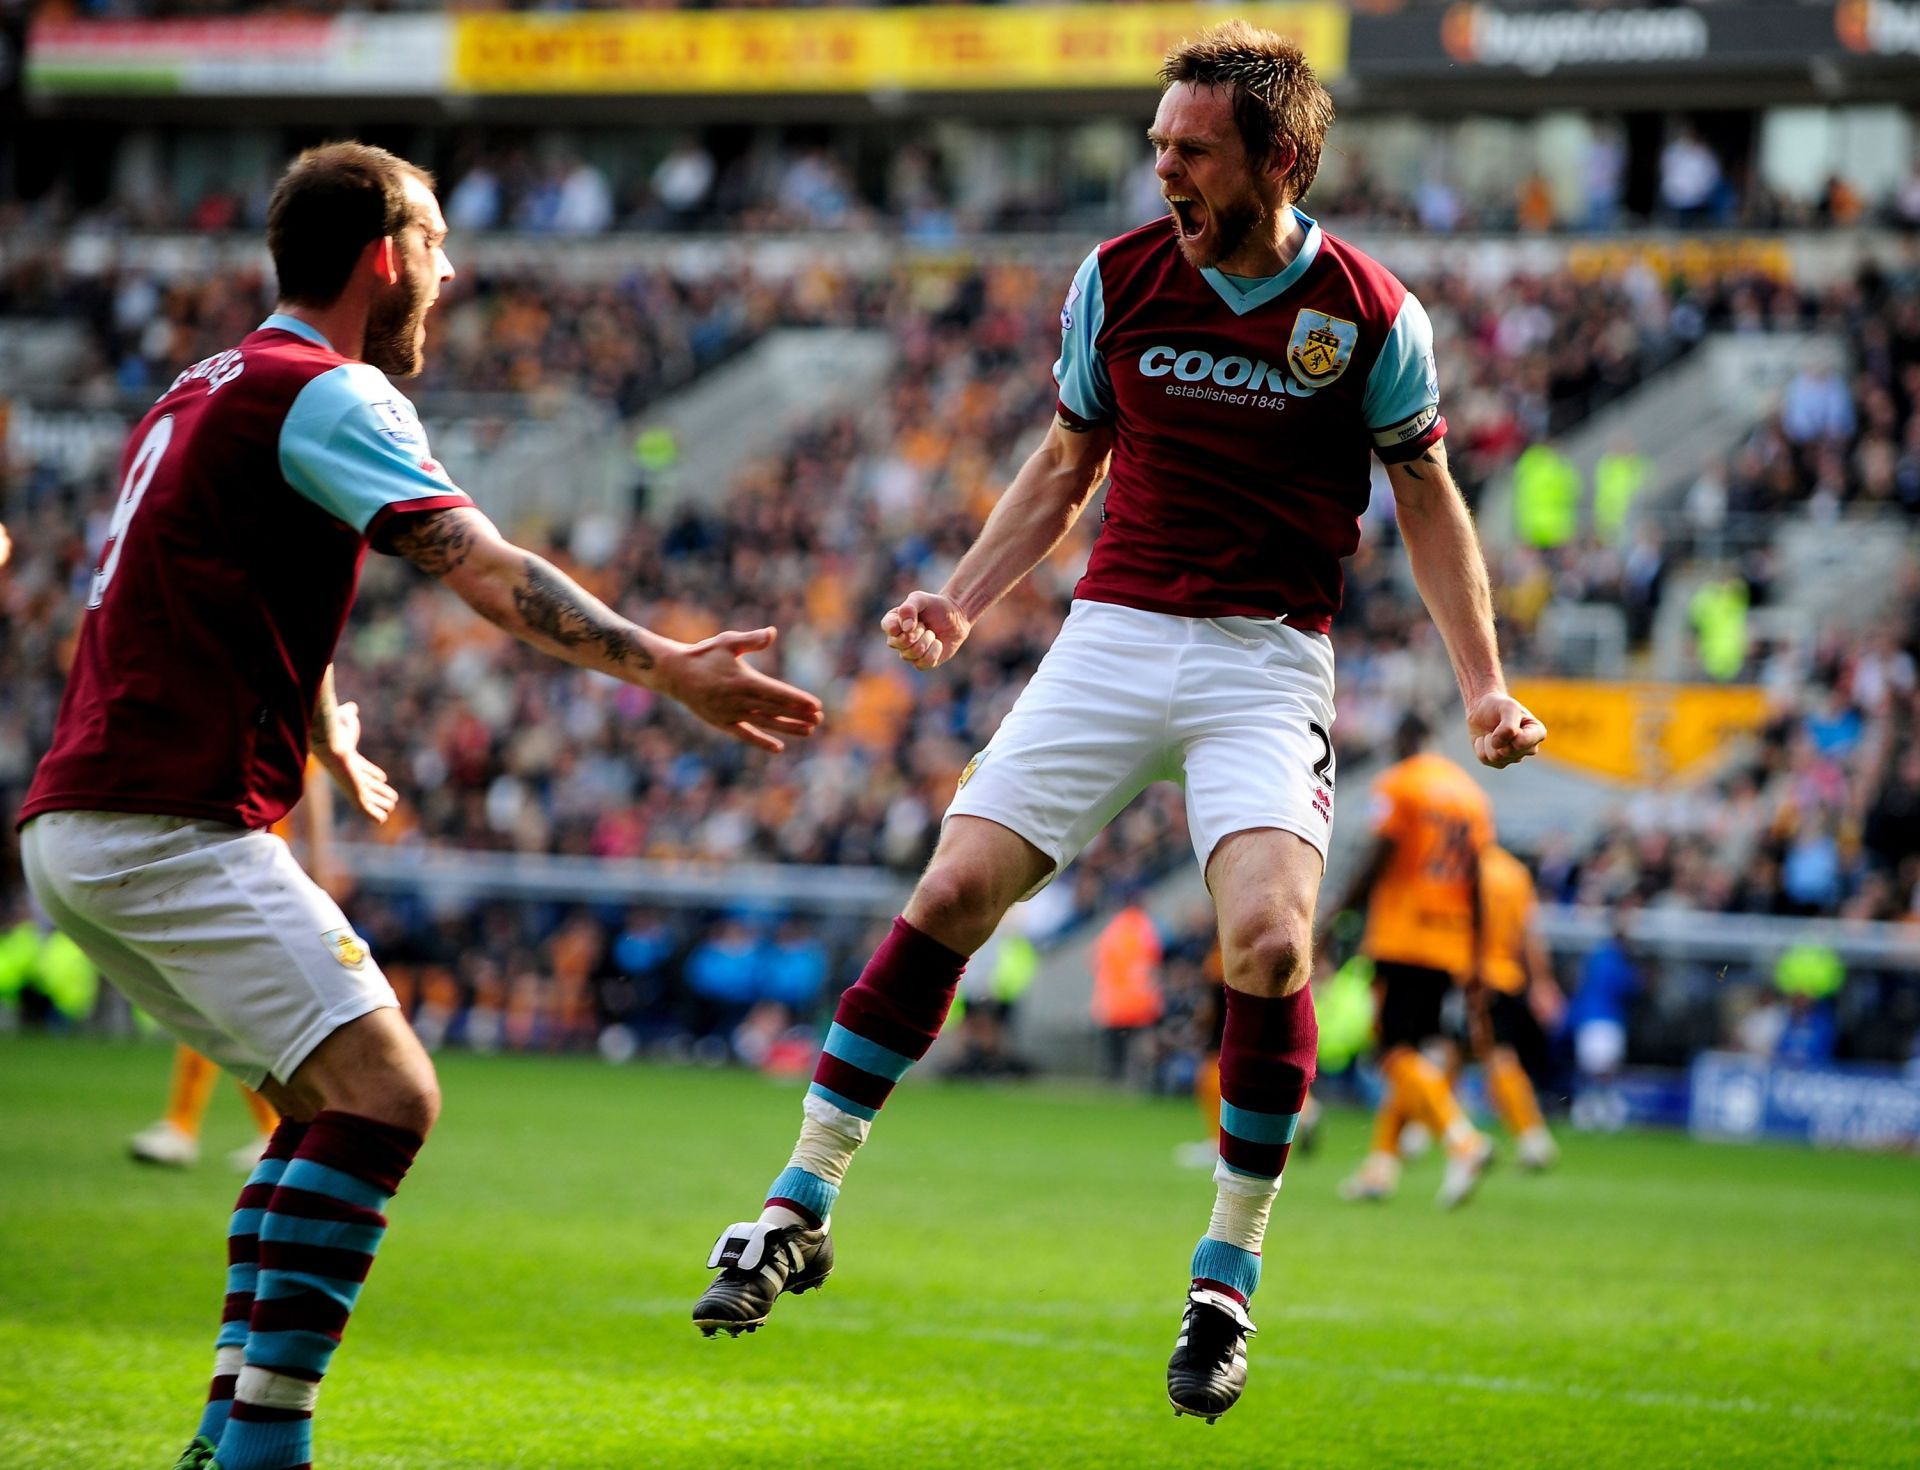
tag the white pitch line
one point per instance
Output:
(821, 1320)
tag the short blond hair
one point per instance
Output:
(1277, 100)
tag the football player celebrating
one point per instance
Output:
(250, 494)
(1231, 368)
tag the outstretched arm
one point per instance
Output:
(539, 604)
(1031, 518)
(1452, 577)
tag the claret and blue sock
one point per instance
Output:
(243, 1272)
(885, 1022)
(313, 1215)
(1266, 1066)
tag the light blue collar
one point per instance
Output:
(281, 322)
(1244, 284)
(1241, 302)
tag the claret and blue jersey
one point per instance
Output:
(1244, 416)
(249, 494)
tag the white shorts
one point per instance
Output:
(213, 930)
(1599, 1047)
(1238, 710)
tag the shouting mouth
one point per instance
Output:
(1189, 215)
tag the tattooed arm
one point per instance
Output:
(540, 605)
(1452, 577)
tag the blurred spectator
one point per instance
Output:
(683, 180)
(1596, 1017)
(1718, 614)
(1546, 497)
(1690, 180)
(795, 970)
(474, 204)
(723, 976)
(583, 204)
(1906, 200)
(1619, 475)
(991, 987)
(1816, 406)
(1603, 170)
(1127, 997)
(1809, 976)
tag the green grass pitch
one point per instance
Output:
(1011, 1269)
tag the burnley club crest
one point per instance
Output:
(1320, 347)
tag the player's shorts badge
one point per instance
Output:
(1320, 347)
(346, 947)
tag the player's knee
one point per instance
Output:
(955, 905)
(406, 1097)
(419, 1101)
(416, 1099)
(1272, 959)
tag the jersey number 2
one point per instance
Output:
(139, 475)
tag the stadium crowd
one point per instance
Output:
(523, 331)
(942, 185)
(1821, 816)
(1526, 357)
(495, 749)
(1841, 439)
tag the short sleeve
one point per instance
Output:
(353, 445)
(1402, 402)
(1086, 395)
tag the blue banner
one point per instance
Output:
(1736, 1098)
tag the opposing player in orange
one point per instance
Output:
(1420, 886)
(175, 1139)
(1516, 983)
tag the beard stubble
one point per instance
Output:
(393, 328)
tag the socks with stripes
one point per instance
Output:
(317, 1236)
(243, 1270)
(885, 1022)
(1266, 1066)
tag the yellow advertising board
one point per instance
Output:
(932, 49)
(1641, 733)
(1691, 258)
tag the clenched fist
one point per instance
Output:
(926, 630)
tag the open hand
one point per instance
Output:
(364, 783)
(713, 679)
(1504, 731)
(926, 630)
